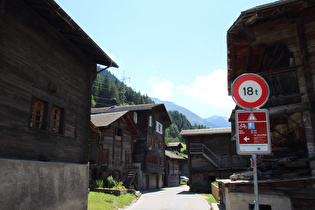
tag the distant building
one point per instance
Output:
(174, 146)
(172, 172)
(211, 155)
(111, 144)
(148, 152)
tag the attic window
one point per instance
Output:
(38, 114)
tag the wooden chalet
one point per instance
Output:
(111, 144)
(47, 65)
(148, 152)
(173, 172)
(174, 146)
(277, 41)
(211, 155)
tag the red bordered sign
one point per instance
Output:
(250, 91)
(252, 132)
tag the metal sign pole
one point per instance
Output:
(254, 166)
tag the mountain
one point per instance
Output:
(221, 122)
(211, 122)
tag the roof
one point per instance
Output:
(139, 107)
(62, 22)
(175, 144)
(173, 156)
(125, 108)
(103, 120)
(211, 131)
(241, 34)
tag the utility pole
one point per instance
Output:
(123, 88)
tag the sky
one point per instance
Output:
(173, 50)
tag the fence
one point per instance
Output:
(215, 191)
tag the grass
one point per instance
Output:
(101, 201)
(210, 199)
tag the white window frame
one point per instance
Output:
(159, 127)
(150, 121)
(135, 117)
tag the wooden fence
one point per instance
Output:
(215, 191)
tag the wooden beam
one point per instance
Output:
(289, 108)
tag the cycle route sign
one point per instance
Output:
(252, 132)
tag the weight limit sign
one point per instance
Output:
(250, 91)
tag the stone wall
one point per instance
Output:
(43, 185)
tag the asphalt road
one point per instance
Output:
(170, 198)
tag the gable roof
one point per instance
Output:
(173, 156)
(210, 131)
(62, 22)
(124, 108)
(175, 144)
(105, 119)
(139, 107)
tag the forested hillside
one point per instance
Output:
(179, 123)
(107, 86)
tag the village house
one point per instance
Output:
(174, 146)
(172, 172)
(47, 65)
(211, 155)
(277, 41)
(111, 144)
(148, 152)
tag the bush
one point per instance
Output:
(196, 187)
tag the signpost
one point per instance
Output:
(253, 132)
(250, 92)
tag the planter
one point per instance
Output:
(110, 191)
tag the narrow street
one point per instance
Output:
(171, 198)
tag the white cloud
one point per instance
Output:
(210, 89)
(161, 89)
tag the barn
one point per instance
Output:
(47, 65)
(276, 41)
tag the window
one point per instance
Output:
(151, 141)
(117, 132)
(135, 117)
(46, 116)
(160, 145)
(56, 120)
(159, 127)
(150, 121)
(38, 113)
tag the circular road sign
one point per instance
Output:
(250, 91)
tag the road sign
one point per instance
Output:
(250, 91)
(252, 132)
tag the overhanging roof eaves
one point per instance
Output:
(59, 19)
(210, 131)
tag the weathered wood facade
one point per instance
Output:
(111, 144)
(174, 146)
(173, 172)
(211, 155)
(152, 120)
(47, 64)
(277, 41)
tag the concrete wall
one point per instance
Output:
(241, 201)
(42, 185)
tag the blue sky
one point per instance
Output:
(174, 50)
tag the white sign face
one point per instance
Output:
(250, 91)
